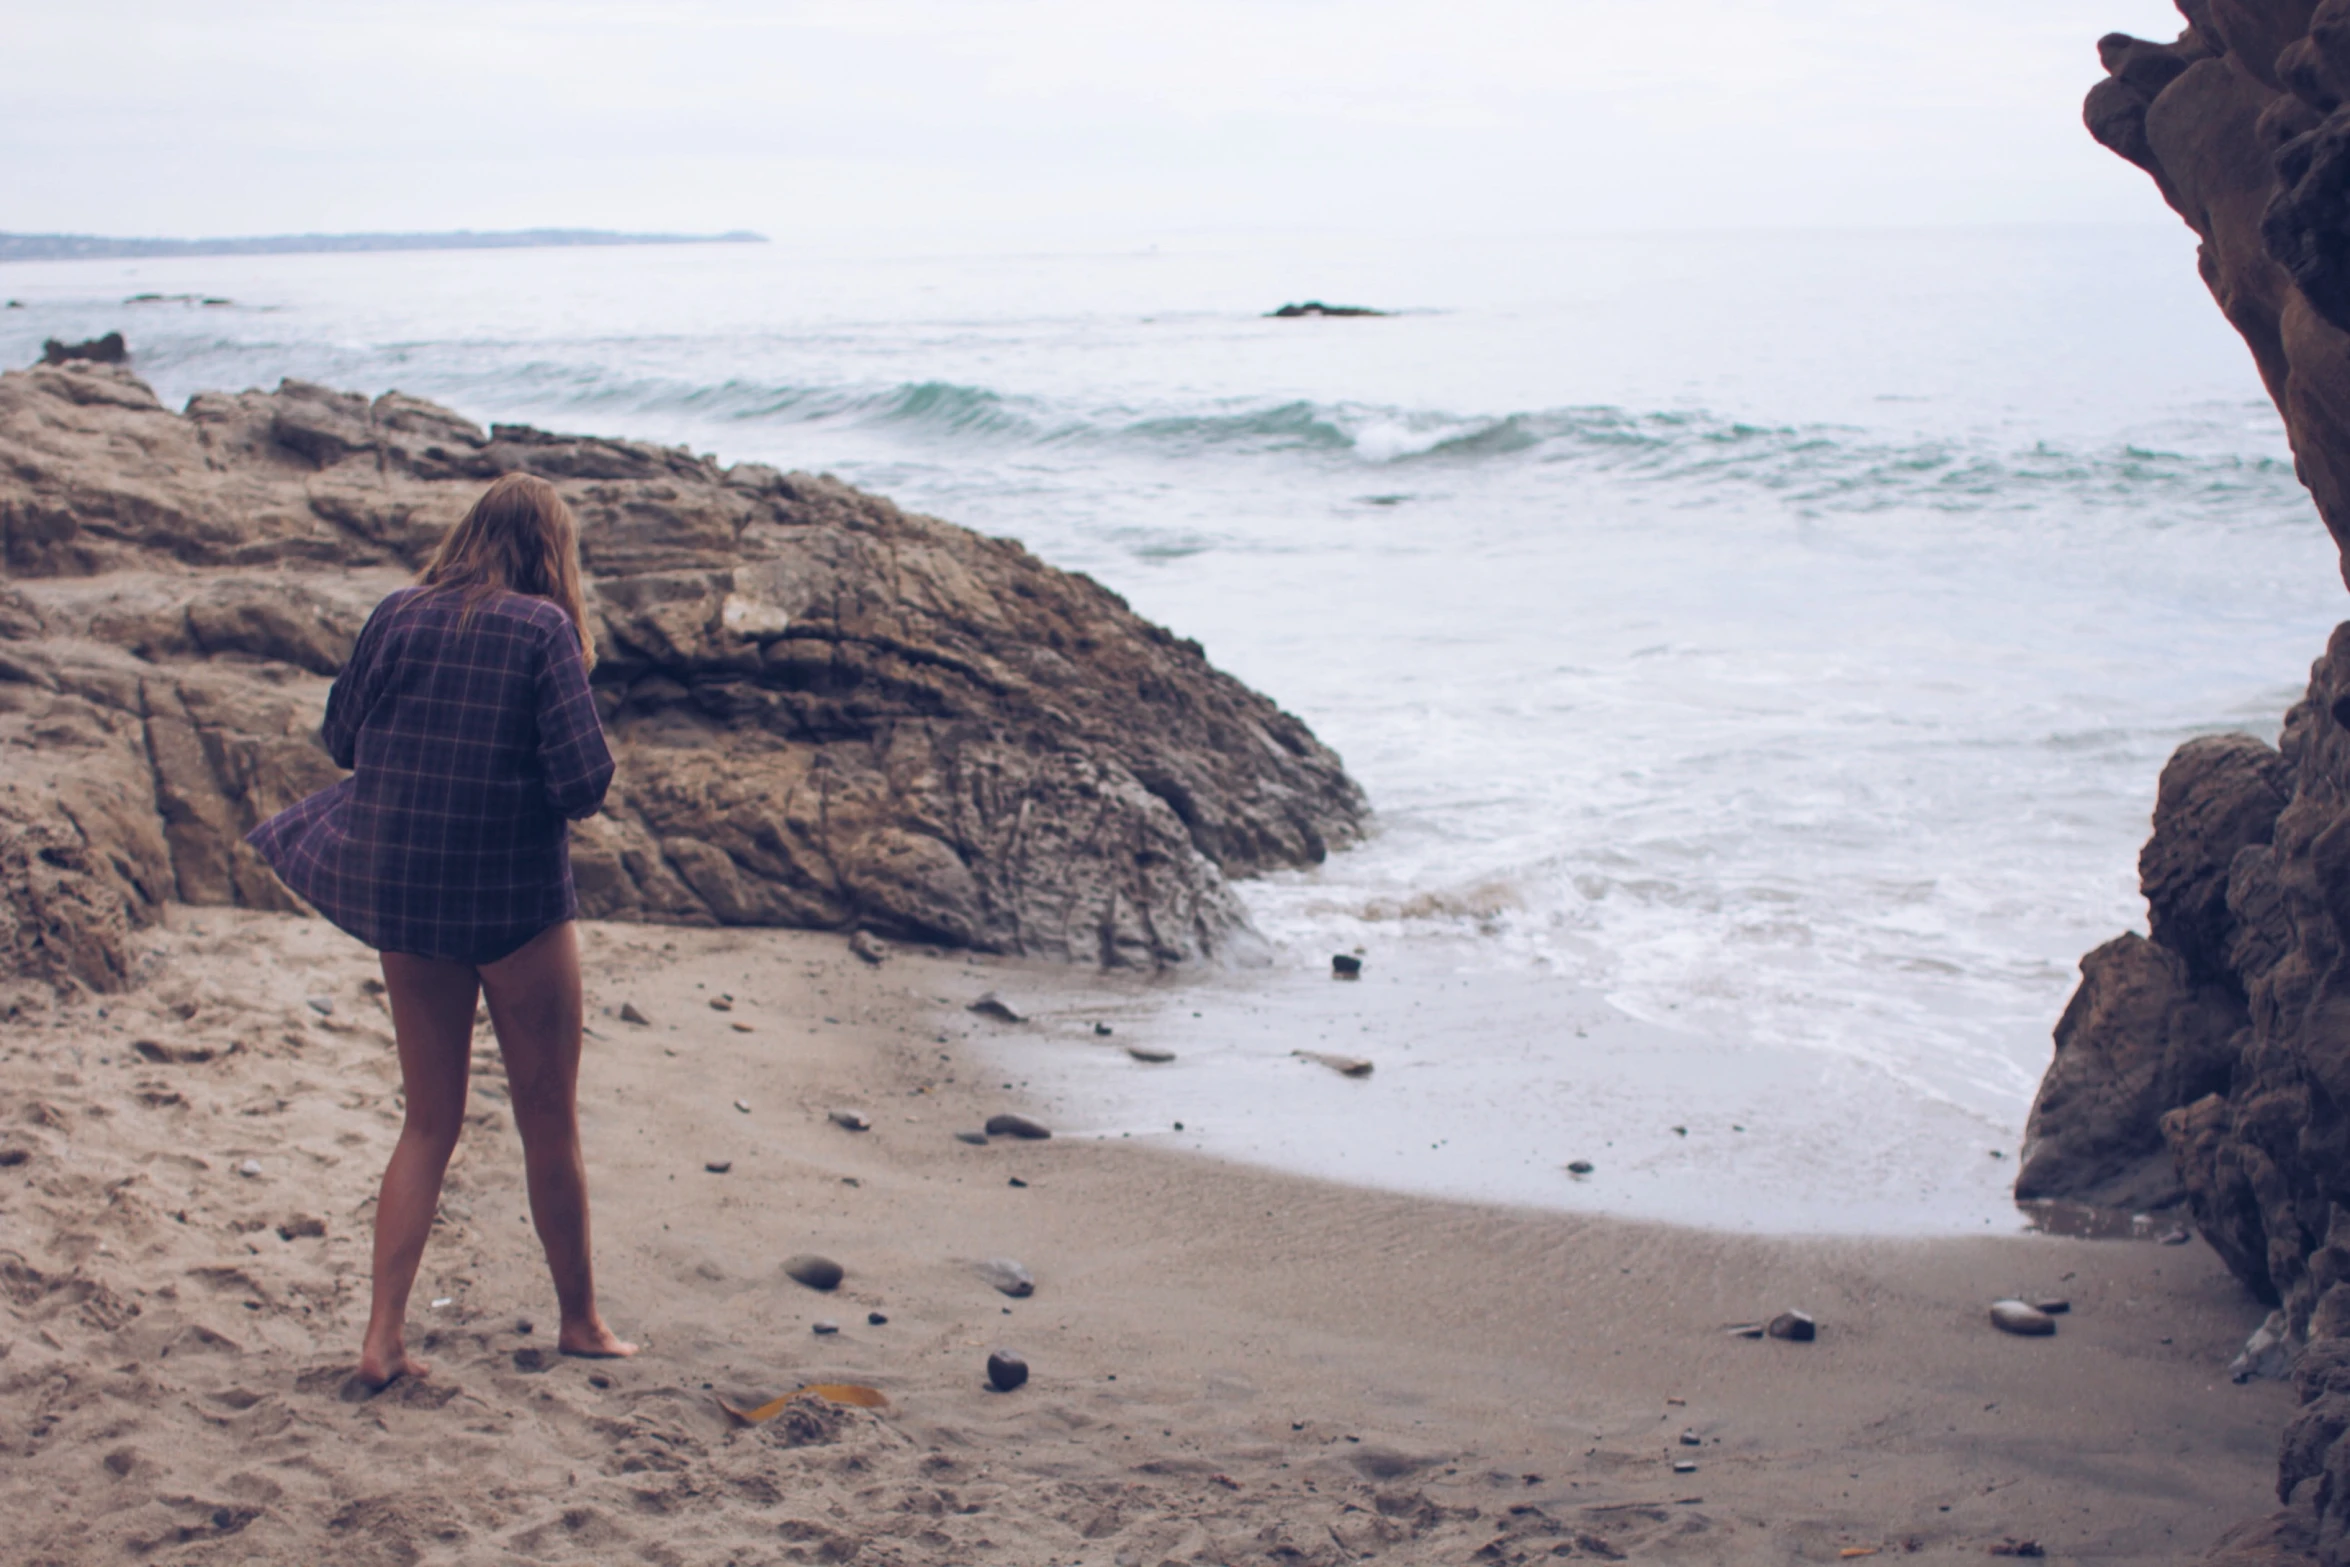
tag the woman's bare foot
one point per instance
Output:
(592, 1340)
(380, 1365)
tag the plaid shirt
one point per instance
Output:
(473, 746)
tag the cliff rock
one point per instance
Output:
(828, 712)
(2244, 123)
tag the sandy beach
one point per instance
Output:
(1227, 1365)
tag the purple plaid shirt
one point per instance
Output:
(473, 748)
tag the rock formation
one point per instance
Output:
(2244, 124)
(828, 712)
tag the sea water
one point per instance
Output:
(1759, 649)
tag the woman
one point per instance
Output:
(465, 715)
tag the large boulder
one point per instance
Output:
(828, 712)
(2244, 123)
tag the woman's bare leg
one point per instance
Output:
(535, 1002)
(432, 1015)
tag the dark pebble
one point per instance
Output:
(1581, 1167)
(1006, 1371)
(975, 1139)
(877, 1318)
(1342, 966)
(1104, 1030)
(1016, 1181)
(2055, 1308)
(821, 1328)
(1692, 1439)
(1795, 1326)
(993, 1005)
(818, 1273)
(630, 1014)
(522, 1325)
(1151, 1054)
(719, 1166)
(851, 1121)
(1015, 1126)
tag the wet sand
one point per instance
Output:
(1228, 1364)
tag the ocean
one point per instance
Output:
(1759, 648)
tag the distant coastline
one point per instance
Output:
(95, 247)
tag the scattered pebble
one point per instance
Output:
(2055, 1308)
(975, 1139)
(250, 1167)
(2013, 1316)
(851, 1120)
(597, 1379)
(523, 1326)
(1796, 1327)
(823, 1326)
(1016, 1126)
(1580, 1167)
(1150, 1053)
(10, 1158)
(1103, 1030)
(2015, 1547)
(1692, 1439)
(322, 1005)
(722, 1003)
(744, 1105)
(1342, 966)
(818, 1273)
(301, 1226)
(1680, 1131)
(1745, 1330)
(630, 1014)
(1005, 1370)
(868, 946)
(718, 1166)
(444, 1302)
(1003, 1274)
(1016, 1181)
(1684, 1466)
(877, 1318)
(1344, 1066)
(993, 1005)
(740, 1028)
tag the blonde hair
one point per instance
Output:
(520, 537)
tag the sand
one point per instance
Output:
(1228, 1365)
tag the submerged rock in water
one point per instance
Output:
(827, 712)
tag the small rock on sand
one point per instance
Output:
(718, 1166)
(818, 1273)
(993, 1005)
(851, 1120)
(250, 1168)
(1744, 1330)
(2013, 1316)
(877, 1318)
(1016, 1126)
(1684, 1466)
(722, 1003)
(2054, 1307)
(1344, 1066)
(823, 1327)
(1580, 1167)
(868, 947)
(1343, 966)
(744, 1105)
(1150, 1053)
(301, 1226)
(1005, 1370)
(324, 1006)
(1003, 1274)
(1692, 1439)
(975, 1139)
(173, 1055)
(1796, 1327)
(1103, 1030)
(630, 1014)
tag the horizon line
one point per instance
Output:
(99, 247)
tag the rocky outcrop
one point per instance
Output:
(828, 712)
(2244, 123)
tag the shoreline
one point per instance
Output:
(1227, 1362)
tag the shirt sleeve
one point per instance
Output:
(573, 759)
(354, 692)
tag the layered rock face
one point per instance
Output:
(2229, 1032)
(827, 712)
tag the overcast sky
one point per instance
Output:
(1055, 119)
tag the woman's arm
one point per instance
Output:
(354, 692)
(573, 759)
